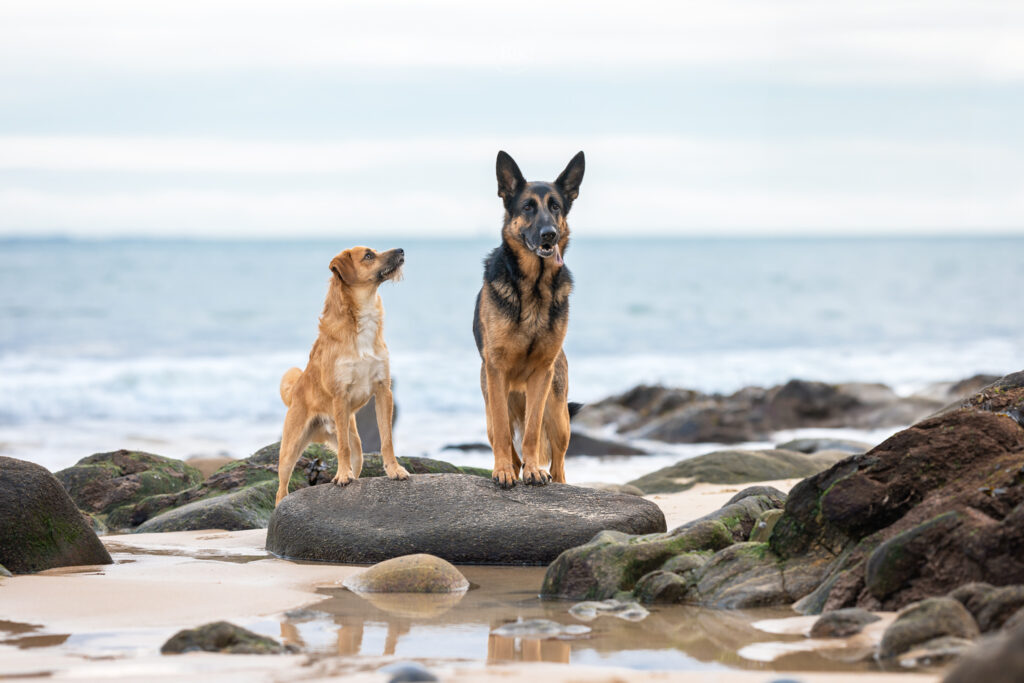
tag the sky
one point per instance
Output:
(257, 119)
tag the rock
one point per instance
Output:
(731, 467)
(809, 446)
(776, 497)
(248, 508)
(842, 623)
(461, 518)
(628, 489)
(764, 526)
(971, 594)
(661, 587)
(997, 660)
(476, 471)
(754, 413)
(898, 559)
(991, 607)
(409, 574)
(747, 575)
(102, 483)
(613, 562)
(4, 572)
(922, 621)
(540, 629)
(40, 526)
(948, 392)
(621, 609)
(468, 447)
(1015, 621)
(935, 652)
(222, 637)
(260, 469)
(407, 672)
(583, 444)
(235, 497)
(373, 466)
(366, 424)
(934, 507)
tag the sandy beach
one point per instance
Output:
(108, 622)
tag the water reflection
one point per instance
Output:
(460, 626)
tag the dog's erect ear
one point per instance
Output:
(569, 180)
(510, 178)
(344, 268)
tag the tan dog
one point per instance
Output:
(347, 366)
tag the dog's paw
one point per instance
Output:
(398, 473)
(506, 479)
(342, 479)
(534, 476)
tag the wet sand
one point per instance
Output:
(108, 622)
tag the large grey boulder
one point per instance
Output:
(40, 526)
(460, 518)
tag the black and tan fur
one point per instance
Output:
(521, 317)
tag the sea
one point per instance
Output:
(178, 347)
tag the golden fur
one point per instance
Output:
(347, 366)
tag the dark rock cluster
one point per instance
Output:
(755, 413)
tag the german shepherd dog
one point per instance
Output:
(522, 313)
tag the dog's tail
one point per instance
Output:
(288, 384)
(574, 408)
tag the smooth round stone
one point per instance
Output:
(418, 573)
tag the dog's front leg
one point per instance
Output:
(505, 472)
(342, 417)
(385, 411)
(538, 386)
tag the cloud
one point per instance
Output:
(639, 183)
(895, 40)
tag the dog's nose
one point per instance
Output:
(400, 252)
(548, 234)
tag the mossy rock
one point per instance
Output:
(103, 482)
(221, 637)
(733, 467)
(240, 495)
(40, 526)
(248, 508)
(612, 562)
(373, 466)
(476, 471)
(317, 463)
(764, 526)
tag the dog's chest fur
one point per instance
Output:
(358, 375)
(532, 309)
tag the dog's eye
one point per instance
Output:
(369, 256)
(528, 207)
(555, 208)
